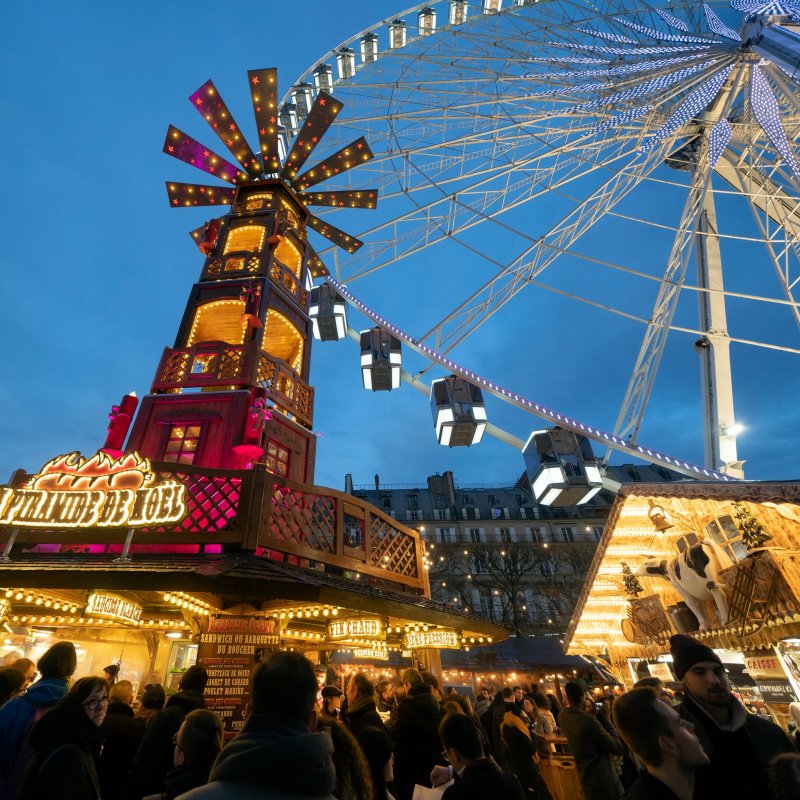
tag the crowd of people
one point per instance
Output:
(82, 740)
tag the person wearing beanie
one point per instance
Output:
(739, 745)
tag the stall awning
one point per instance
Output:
(235, 579)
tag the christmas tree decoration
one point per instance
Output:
(632, 585)
(753, 533)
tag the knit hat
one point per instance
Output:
(686, 651)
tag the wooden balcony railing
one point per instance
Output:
(218, 364)
(331, 527)
(256, 511)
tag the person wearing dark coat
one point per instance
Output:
(121, 736)
(361, 710)
(476, 777)
(417, 745)
(519, 752)
(739, 745)
(153, 759)
(592, 743)
(498, 712)
(66, 744)
(276, 756)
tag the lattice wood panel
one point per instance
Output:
(392, 549)
(212, 503)
(176, 367)
(230, 367)
(304, 518)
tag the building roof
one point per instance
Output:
(517, 654)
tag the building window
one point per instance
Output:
(466, 499)
(548, 567)
(537, 535)
(387, 502)
(497, 513)
(597, 532)
(412, 501)
(505, 535)
(567, 533)
(182, 443)
(724, 532)
(445, 534)
(246, 238)
(492, 500)
(277, 459)
(475, 535)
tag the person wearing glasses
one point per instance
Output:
(28, 669)
(66, 744)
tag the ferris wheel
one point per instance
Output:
(588, 151)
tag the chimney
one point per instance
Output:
(348, 483)
(377, 482)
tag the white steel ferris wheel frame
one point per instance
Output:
(487, 155)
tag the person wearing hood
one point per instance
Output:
(417, 745)
(361, 710)
(153, 759)
(19, 714)
(66, 744)
(739, 745)
(277, 755)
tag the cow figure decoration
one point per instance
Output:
(695, 575)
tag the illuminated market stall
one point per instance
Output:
(720, 561)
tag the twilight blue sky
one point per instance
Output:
(96, 268)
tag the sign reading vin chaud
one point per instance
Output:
(74, 492)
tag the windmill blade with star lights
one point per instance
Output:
(267, 164)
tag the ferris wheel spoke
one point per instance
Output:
(641, 383)
(770, 204)
(451, 214)
(500, 289)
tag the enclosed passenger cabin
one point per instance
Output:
(426, 21)
(328, 314)
(561, 467)
(381, 360)
(397, 34)
(323, 78)
(458, 11)
(459, 413)
(288, 119)
(303, 96)
(345, 63)
(369, 48)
